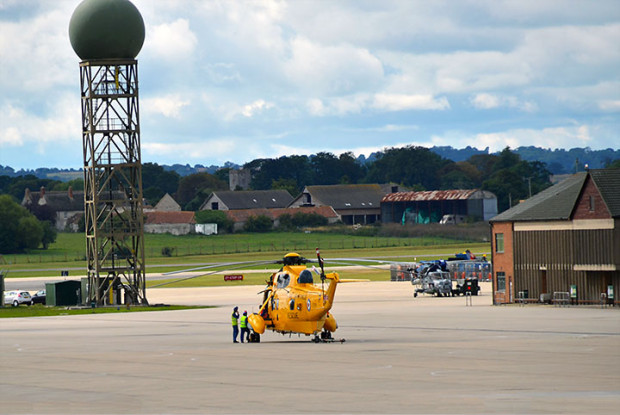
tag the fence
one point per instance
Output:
(231, 247)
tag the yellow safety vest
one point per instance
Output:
(244, 322)
(234, 320)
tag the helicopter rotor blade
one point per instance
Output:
(221, 264)
(248, 265)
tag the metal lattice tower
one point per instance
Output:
(108, 35)
(114, 222)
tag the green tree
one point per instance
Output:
(190, 187)
(267, 171)
(29, 232)
(286, 184)
(19, 229)
(409, 166)
(10, 213)
(75, 184)
(260, 223)
(49, 234)
(301, 219)
(286, 222)
(20, 184)
(156, 182)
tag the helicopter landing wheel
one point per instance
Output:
(326, 335)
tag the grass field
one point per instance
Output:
(39, 310)
(68, 250)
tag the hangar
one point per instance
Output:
(431, 206)
(563, 242)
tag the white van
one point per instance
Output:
(452, 219)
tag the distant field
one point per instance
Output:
(69, 248)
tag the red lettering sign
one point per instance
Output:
(234, 277)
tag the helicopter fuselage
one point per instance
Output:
(293, 304)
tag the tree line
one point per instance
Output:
(418, 168)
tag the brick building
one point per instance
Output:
(565, 239)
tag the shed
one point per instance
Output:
(565, 239)
(63, 292)
(431, 206)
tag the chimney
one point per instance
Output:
(42, 200)
(27, 199)
(70, 192)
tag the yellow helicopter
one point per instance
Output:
(292, 303)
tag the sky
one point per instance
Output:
(237, 80)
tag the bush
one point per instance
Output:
(259, 223)
(19, 229)
(286, 222)
(167, 251)
(301, 219)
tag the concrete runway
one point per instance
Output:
(401, 355)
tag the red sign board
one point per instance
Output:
(234, 277)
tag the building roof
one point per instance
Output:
(163, 217)
(558, 202)
(438, 195)
(348, 196)
(59, 201)
(168, 204)
(252, 199)
(243, 214)
(608, 183)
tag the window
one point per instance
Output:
(215, 206)
(501, 281)
(499, 242)
(283, 280)
(591, 203)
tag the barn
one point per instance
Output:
(562, 244)
(431, 206)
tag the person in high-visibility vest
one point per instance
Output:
(243, 323)
(235, 324)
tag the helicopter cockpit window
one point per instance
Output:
(283, 280)
(305, 277)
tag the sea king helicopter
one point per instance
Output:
(292, 303)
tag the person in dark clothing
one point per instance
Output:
(243, 323)
(235, 324)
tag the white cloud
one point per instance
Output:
(255, 108)
(491, 101)
(609, 105)
(169, 106)
(554, 137)
(173, 41)
(61, 122)
(195, 151)
(400, 102)
(10, 136)
(36, 54)
(332, 69)
(326, 74)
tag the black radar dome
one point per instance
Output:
(106, 29)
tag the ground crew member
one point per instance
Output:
(243, 323)
(235, 324)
